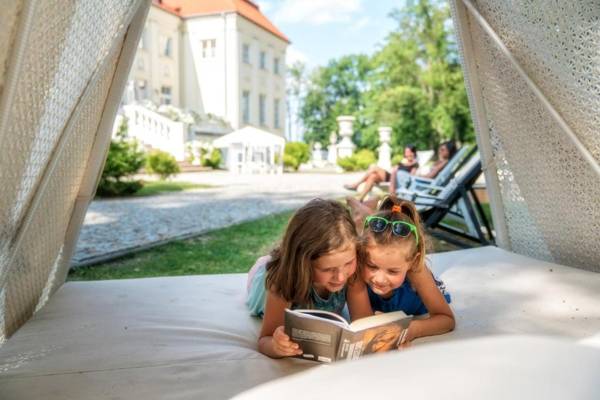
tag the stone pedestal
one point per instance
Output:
(317, 155)
(332, 149)
(345, 147)
(385, 151)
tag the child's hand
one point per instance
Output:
(406, 339)
(282, 344)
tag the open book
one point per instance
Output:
(324, 336)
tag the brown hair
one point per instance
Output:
(394, 209)
(316, 229)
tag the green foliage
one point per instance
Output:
(397, 158)
(162, 164)
(414, 84)
(123, 161)
(335, 90)
(212, 253)
(359, 161)
(294, 154)
(153, 188)
(213, 160)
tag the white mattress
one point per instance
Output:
(191, 337)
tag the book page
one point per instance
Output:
(321, 314)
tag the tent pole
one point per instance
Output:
(480, 122)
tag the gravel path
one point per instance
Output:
(118, 226)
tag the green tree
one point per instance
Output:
(335, 90)
(421, 57)
(295, 90)
(124, 159)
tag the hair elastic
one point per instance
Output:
(396, 208)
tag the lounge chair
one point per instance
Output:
(458, 202)
(415, 183)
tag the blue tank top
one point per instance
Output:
(404, 298)
(257, 294)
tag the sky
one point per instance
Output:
(324, 29)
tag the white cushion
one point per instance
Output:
(192, 338)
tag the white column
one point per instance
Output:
(332, 149)
(385, 151)
(345, 147)
(317, 156)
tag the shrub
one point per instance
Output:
(294, 154)
(124, 159)
(214, 160)
(397, 159)
(365, 158)
(359, 161)
(162, 164)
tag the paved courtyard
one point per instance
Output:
(117, 226)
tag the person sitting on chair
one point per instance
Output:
(375, 174)
(401, 178)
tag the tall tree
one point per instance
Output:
(295, 92)
(419, 61)
(335, 90)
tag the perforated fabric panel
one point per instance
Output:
(8, 24)
(549, 192)
(50, 125)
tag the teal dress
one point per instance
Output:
(257, 293)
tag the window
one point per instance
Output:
(208, 48)
(261, 109)
(276, 113)
(276, 66)
(246, 106)
(263, 60)
(166, 48)
(140, 63)
(246, 53)
(165, 95)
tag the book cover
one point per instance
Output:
(327, 337)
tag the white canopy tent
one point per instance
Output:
(528, 68)
(252, 150)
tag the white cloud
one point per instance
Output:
(317, 12)
(361, 23)
(292, 55)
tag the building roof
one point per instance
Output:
(195, 8)
(249, 136)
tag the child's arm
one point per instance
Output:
(441, 318)
(272, 340)
(358, 300)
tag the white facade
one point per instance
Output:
(211, 64)
(156, 70)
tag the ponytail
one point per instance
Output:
(395, 209)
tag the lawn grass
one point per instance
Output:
(228, 250)
(152, 188)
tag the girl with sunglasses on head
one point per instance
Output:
(394, 269)
(315, 266)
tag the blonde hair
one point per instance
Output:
(394, 209)
(319, 227)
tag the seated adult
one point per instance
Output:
(375, 174)
(446, 151)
